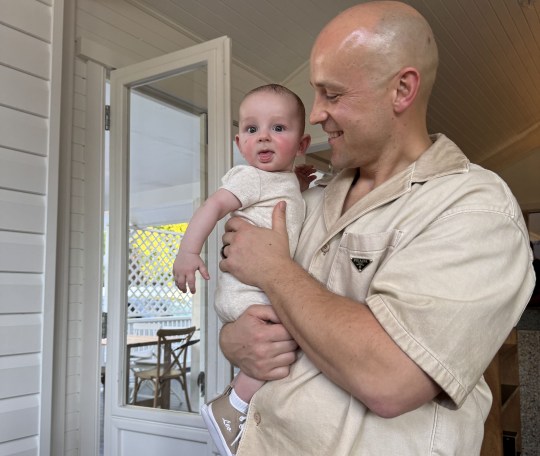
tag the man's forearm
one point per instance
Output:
(341, 336)
(346, 342)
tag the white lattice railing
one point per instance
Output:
(148, 326)
(151, 291)
(154, 301)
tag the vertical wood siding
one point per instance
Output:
(24, 137)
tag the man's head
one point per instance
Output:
(271, 128)
(373, 69)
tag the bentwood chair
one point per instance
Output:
(170, 365)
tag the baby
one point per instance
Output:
(270, 137)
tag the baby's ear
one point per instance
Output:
(305, 141)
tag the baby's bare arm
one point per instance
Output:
(188, 260)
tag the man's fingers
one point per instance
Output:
(264, 312)
(234, 223)
(279, 223)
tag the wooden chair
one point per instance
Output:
(170, 365)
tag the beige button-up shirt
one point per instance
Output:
(440, 253)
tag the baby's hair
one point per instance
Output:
(282, 90)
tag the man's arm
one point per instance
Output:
(259, 343)
(188, 259)
(344, 340)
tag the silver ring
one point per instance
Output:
(222, 252)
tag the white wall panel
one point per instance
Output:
(19, 417)
(29, 15)
(20, 334)
(19, 375)
(24, 92)
(29, 127)
(25, 52)
(21, 252)
(22, 212)
(22, 131)
(21, 447)
(21, 171)
(144, 435)
(20, 293)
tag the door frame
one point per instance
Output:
(217, 55)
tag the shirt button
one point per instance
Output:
(257, 418)
(325, 248)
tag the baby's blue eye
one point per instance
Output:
(279, 128)
(251, 129)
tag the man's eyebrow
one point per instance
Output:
(326, 85)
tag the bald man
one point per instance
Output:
(412, 267)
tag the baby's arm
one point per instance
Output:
(188, 259)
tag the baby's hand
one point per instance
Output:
(305, 175)
(184, 268)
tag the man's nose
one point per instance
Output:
(317, 115)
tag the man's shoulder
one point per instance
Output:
(477, 189)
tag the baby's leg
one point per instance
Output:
(225, 415)
(246, 386)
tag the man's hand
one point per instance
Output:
(259, 344)
(252, 253)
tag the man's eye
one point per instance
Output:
(330, 96)
(279, 128)
(251, 129)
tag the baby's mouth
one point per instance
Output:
(265, 156)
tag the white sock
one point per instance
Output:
(238, 403)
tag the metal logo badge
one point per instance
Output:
(361, 263)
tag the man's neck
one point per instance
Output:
(360, 187)
(370, 178)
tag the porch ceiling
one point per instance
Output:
(487, 96)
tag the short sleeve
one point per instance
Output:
(450, 298)
(244, 182)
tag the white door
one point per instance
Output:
(170, 145)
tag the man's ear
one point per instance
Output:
(407, 89)
(305, 141)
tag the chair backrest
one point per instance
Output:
(173, 344)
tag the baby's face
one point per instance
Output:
(269, 135)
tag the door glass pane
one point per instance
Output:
(167, 182)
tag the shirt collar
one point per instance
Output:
(442, 158)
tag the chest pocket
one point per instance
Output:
(358, 258)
